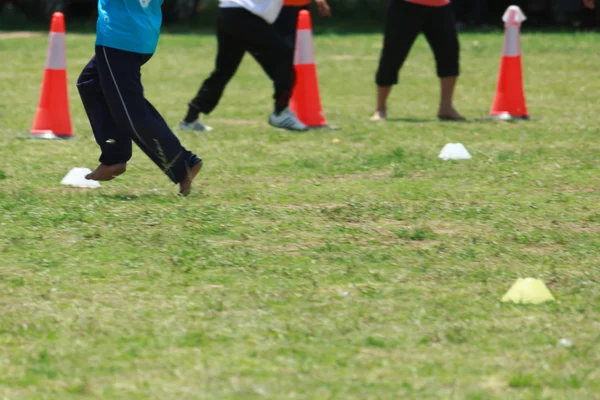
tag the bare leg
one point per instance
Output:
(106, 172)
(447, 111)
(383, 92)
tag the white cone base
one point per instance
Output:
(454, 151)
(76, 178)
(48, 135)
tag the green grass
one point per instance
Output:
(303, 266)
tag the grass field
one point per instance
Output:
(304, 267)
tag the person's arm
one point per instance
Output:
(589, 3)
(323, 7)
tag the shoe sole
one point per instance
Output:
(185, 129)
(288, 129)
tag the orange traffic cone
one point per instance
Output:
(53, 120)
(509, 101)
(306, 102)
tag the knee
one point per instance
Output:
(219, 78)
(386, 75)
(383, 81)
(447, 60)
(85, 80)
(448, 69)
(86, 87)
(285, 53)
(390, 63)
(81, 80)
(290, 41)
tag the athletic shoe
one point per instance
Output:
(195, 126)
(287, 120)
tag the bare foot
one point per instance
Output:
(450, 114)
(106, 172)
(380, 115)
(185, 186)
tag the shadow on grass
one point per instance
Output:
(411, 120)
(128, 197)
(158, 197)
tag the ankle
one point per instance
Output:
(279, 110)
(191, 116)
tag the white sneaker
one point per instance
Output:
(287, 120)
(195, 126)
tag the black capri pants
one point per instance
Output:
(404, 22)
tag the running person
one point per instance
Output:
(404, 21)
(247, 26)
(112, 94)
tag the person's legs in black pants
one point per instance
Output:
(440, 31)
(286, 26)
(276, 57)
(404, 22)
(120, 83)
(114, 142)
(230, 52)
(239, 31)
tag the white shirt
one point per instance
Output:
(266, 9)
